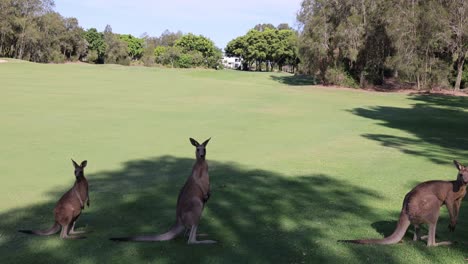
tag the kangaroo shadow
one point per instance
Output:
(258, 216)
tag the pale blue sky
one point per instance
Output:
(219, 20)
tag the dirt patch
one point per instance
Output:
(74, 62)
(391, 85)
(444, 92)
(3, 61)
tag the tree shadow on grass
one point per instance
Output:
(257, 216)
(295, 80)
(438, 124)
(441, 100)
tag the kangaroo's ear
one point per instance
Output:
(84, 163)
(206, 142)
(194, 142)
(75, 164)
(458, 165)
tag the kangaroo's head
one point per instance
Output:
(462, 172)
(79, 169)
(200, 151)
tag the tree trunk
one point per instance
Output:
(362, 80)
(426, 72)
(19, 52)
(418, 81)
(1, 44)
(20, 55)
(460, 62)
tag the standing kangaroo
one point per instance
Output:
(422, 206)
(69, 207)
(190, 202)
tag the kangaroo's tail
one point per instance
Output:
(175, 230)
(402, 226)
(54, 229)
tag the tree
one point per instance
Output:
(201, 49)
(238, 48)
(191, 42)
(116, 49)
(285, 49)
(30, 30)
(168, 55)
(263, 27)
(456, 22)
(168, 38)
(413, 40)
(73, 42)
(271, 46)
(28, 10)
(96, 45)
(418, 37)
(149, 45)
(344, 35)
(284, 26)
(48, 38)
(134, 46)
(7, 32)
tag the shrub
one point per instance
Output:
(92, 56)
(185, 61)
(336, 76)
(465, 75)
(57, 57)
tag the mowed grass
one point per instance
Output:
(293, 168)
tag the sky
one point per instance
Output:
(219, 20)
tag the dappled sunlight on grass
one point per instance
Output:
(256, 215)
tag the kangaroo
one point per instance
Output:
(422, 206)
(68, 208)
(190, 202)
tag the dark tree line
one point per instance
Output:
(346, 42)
(364, 41)
(31, 30)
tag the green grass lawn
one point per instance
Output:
(293, 168)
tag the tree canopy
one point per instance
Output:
(425, 42)
(187, 51)
(134, 46)
(270, 45)
(351, 42)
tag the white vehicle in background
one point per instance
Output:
(232, 62)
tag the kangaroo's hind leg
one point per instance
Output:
(417, 235)
(72, 229)
(66, 227)
(431, 240)
(192, 218)
(193, 237)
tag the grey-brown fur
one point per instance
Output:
(190, 202)
(68, 208)
(422, 206)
